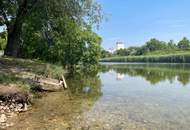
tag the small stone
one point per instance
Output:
(11, 106)
(2, 111)
(10, 124)
(3, 108)
(16, 110)
(3, 118)
(11, 114)
(20, 105)
(8, 110)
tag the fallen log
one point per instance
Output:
(48, 84)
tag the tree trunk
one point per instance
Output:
(14, 32)
(14, 39)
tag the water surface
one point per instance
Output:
(117, 97)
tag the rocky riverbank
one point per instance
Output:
(12, 102)
(9, 111)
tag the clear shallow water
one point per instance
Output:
(117, 97)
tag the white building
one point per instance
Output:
(120, 45)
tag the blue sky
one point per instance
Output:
(136, 21)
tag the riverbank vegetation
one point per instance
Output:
(153, 51)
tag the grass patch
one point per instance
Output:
(161, 58)
(168, 52)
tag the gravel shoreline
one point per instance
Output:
(12, 101)
(9, 111)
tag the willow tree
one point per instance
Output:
(14, 14)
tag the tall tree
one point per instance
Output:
(184, 43)
(14, 14)
(155, 44)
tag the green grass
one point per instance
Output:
(155, 57)
(168, 52)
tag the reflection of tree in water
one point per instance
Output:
(184, 78)
(84, 84)
(154, 73)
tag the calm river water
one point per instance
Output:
(116, 97)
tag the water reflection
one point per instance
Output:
(120, 76)
(154, 73)
(84, 84)
(119, 97)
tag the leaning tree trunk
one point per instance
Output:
(14, 39)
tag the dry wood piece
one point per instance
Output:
(49, 84)
(64, 82)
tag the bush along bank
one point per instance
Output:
(175, 58)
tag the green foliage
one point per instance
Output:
(150, 46)
(105, 53)
(131, 51)
(172, 45)
(92, 48)
(82, 11)
(122, 52)
(70, 44)
(184, 43)
(57, 31)
(155, 44)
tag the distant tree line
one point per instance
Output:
(150, 46)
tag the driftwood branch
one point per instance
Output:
(51, 82)
(64, 82)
